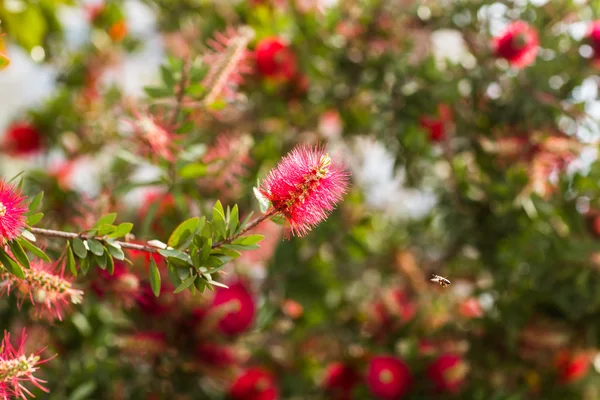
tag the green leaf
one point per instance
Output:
(36, 251)
(110, 264)
(11, 265)
(84, 391)
(28, 235)
(263, 202)
(248, 240)
(183, 232)
(79, 248)
(71, 260)
(172, 271)
(234, 220)
(175, 254)
(122, 230)
(192, 171)
(101, 260)
(95, 247)
(116, 252)
(156, 93)
(36, 202)
(218, 221)
(244, 223)
(154, 277)
(107, 219)
(19, 253)
(34, 219)
(206, 248)
(185, 284)
(167, 76)
(105, 229)
(84, 266)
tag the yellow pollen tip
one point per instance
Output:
(386, 376)
(2, 210)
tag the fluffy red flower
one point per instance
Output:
(12, 212)
(572, 366)
(16, 368)
(305, 187)
(254, 384)
(46, 286)
(22, 139)
(448, 373)
(518, 44)
(274, 59)
(239, 305)
(594, 39)
(388, 377)
(340, 380)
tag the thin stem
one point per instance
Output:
(248, 227)
(71, 235)
(180, 92)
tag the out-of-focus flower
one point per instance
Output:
(448, 372)
(147, 344)
(240, 305)
(305, 187)
(122, 284)
(392, 310)
(215, 355)
(164, 214)
(118, 30)
(17, 368)
(22, 139)
(228, 60)
(437, 126)
(330, 124)
(518, 44)
(572, 366)
(254, 384)
(292, 308)
(46, 285)
(227, 162)
(388, 377)
(156, 306)
(12, 212)
(471, 308)
(594, 39)
(340, 379)
(274, 59)
(154, 139)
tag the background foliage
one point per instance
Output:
(463, 165)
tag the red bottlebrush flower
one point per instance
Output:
(239, 305)
(274, 59)
(572, 366)
(437, 126)
(12, 212)
(388, 377)
(22, 139)
(228, 59)
(448, 373)
(227, 162)
(340, 380)
(122, 284)
(254, 384)
(17, 368)
(147, 344)
(594, 39)
(471, 308)
(518, 44)
(153, 138)
(215, 355)
(305, 187)
(46, 286)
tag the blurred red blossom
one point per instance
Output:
(437, 126)
(254, 384)
(156, 306)
(216, 355)
(448, 372)
(471, 308)
(145, 344)
(12, 212)
(122, 284)
(16, 368)
(46, 286)
(240, 305)
(340, 380)
(274, 59)
(518, 44)
(305, 187)
(22, 139)
(594, 38)
(153, 139)
(572, 366)
(388, 377)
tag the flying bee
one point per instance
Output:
(441, 280)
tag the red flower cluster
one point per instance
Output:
(12, 212)
(388, 377)
(438, 125)
(254, 384)
(340, 380)
(275, 59)
(572, 366)
(518, 44)
(594, 39)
